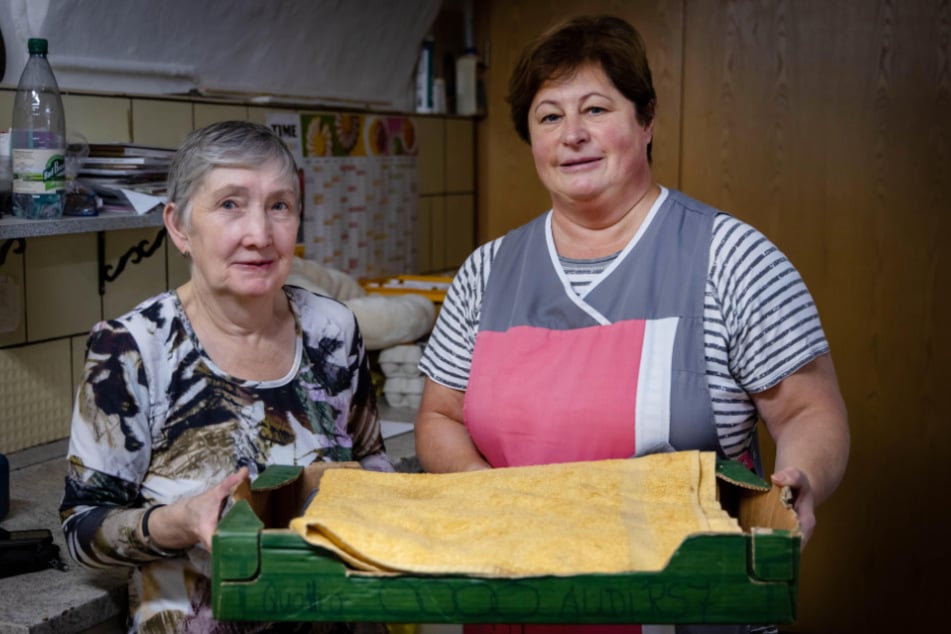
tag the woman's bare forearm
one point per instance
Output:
(443, 444)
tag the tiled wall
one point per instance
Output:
(56, 278)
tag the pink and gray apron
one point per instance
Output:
(619, 372)
(616, 373)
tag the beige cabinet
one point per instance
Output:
(446, 183)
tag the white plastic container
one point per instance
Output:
(439, 95)
(466, 81)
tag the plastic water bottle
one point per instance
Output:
(38, 139)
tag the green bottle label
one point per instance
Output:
(39, 171)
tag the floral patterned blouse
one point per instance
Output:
(155, 421)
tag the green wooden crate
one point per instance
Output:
(272, 574)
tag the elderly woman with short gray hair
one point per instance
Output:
(203, 386)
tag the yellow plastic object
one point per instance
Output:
(433, 287)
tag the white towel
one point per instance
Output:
(388, 320)
(385, 320)
(404, 384)
(402, 391)
(407, 401)
(401, 361)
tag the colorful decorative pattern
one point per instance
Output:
(348, 135)
(360, 191)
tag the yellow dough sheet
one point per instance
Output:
(607, 517)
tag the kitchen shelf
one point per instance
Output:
(12, 228)
(14, 231)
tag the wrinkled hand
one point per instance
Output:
(194, 520)
(208, 506)
(804, 501)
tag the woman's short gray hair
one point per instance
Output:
(223, 144)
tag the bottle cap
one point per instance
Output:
(37, 45)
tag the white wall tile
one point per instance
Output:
(99, 119)
(206, 113)
(12, 298)
(36, 392)
(178, 266)
(62, 286)
(138, 280)
(77, 347)
(6, 108)
(160, 122)
(258, 114)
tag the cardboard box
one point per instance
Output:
(265, 572)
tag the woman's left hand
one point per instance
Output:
(806, 417)
(804, 500)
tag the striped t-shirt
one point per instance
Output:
(760, 323)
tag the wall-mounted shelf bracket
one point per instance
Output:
(8, 244)
(141, 251)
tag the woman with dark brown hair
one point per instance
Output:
(630, 318)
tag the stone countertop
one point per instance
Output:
(52, 600)
(78, 599)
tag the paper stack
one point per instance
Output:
(127, 176)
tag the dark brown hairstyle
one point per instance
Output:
(605, 40)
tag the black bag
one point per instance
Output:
(28, 551)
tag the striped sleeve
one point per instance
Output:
(769, 322)
(448, 354)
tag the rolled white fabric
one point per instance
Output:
(389, 320)
(401, 361)
(401, 391)
(385, 320)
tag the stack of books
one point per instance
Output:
(113, 170)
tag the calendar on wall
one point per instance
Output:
(360, 190)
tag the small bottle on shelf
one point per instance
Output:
(425, 74)
(467, 66)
